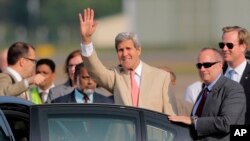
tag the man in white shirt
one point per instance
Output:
(45, 67)
(133, 82)
(192, 91)
(19, 75)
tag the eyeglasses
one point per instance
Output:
(206, 64)
(32, 60)
(229, 45)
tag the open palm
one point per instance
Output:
(87, 25)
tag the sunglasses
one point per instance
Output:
(229, 45)
(206, 64)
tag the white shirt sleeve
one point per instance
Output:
(87, 50)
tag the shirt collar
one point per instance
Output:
(47, 90)
(210, 86)
(138, 69)
(14, 74)
(240, 69)
(79, 96)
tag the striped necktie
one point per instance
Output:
(85, 98)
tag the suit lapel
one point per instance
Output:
(126, 87)
(72, 98)
(96, 98)
(245, 75)
(146, 80)
(215, 89)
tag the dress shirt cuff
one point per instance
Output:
(87, 50)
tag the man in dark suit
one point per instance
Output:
(221, 103)
(84, 91)
(71, 61)
(234, 46)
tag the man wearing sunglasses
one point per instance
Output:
(19, 75)
(234, 46)
(221, 103)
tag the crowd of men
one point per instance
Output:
(221, 98)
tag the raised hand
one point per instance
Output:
(87, 25)
(36, 79)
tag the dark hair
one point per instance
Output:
(78, 69)
(47, 62)
(70, 56)
(18, 50)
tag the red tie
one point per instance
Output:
(134, 89)
(85, 98)
(202, 103)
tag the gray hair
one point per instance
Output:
(123, 36)
(217, 53)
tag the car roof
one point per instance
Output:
(14, 100)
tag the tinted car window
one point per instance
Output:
(157, 134)
(90, 128)
(74, 122)
(3, 136)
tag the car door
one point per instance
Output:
(15, 117)
(90, 122)
(159, 128)
(5, 131)
(100, 122)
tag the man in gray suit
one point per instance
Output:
(220, 104)
(133, 82)
(73, 59)
(84, 91)
(18, 76)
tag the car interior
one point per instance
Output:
(18, 119)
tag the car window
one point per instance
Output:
(159, 128)
(158, 134)
(91, 128)
(4, 135)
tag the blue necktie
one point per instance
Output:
(230, 74)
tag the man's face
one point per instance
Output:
(238, 50)
(85, 82)
(72, 64)
(209, 74)
(28, 64)
(128, 55)
(47, 73)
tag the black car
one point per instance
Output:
(20, 120)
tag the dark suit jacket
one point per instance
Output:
(70, 98)
(59, 91)
(245, 82)
(225, 105)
